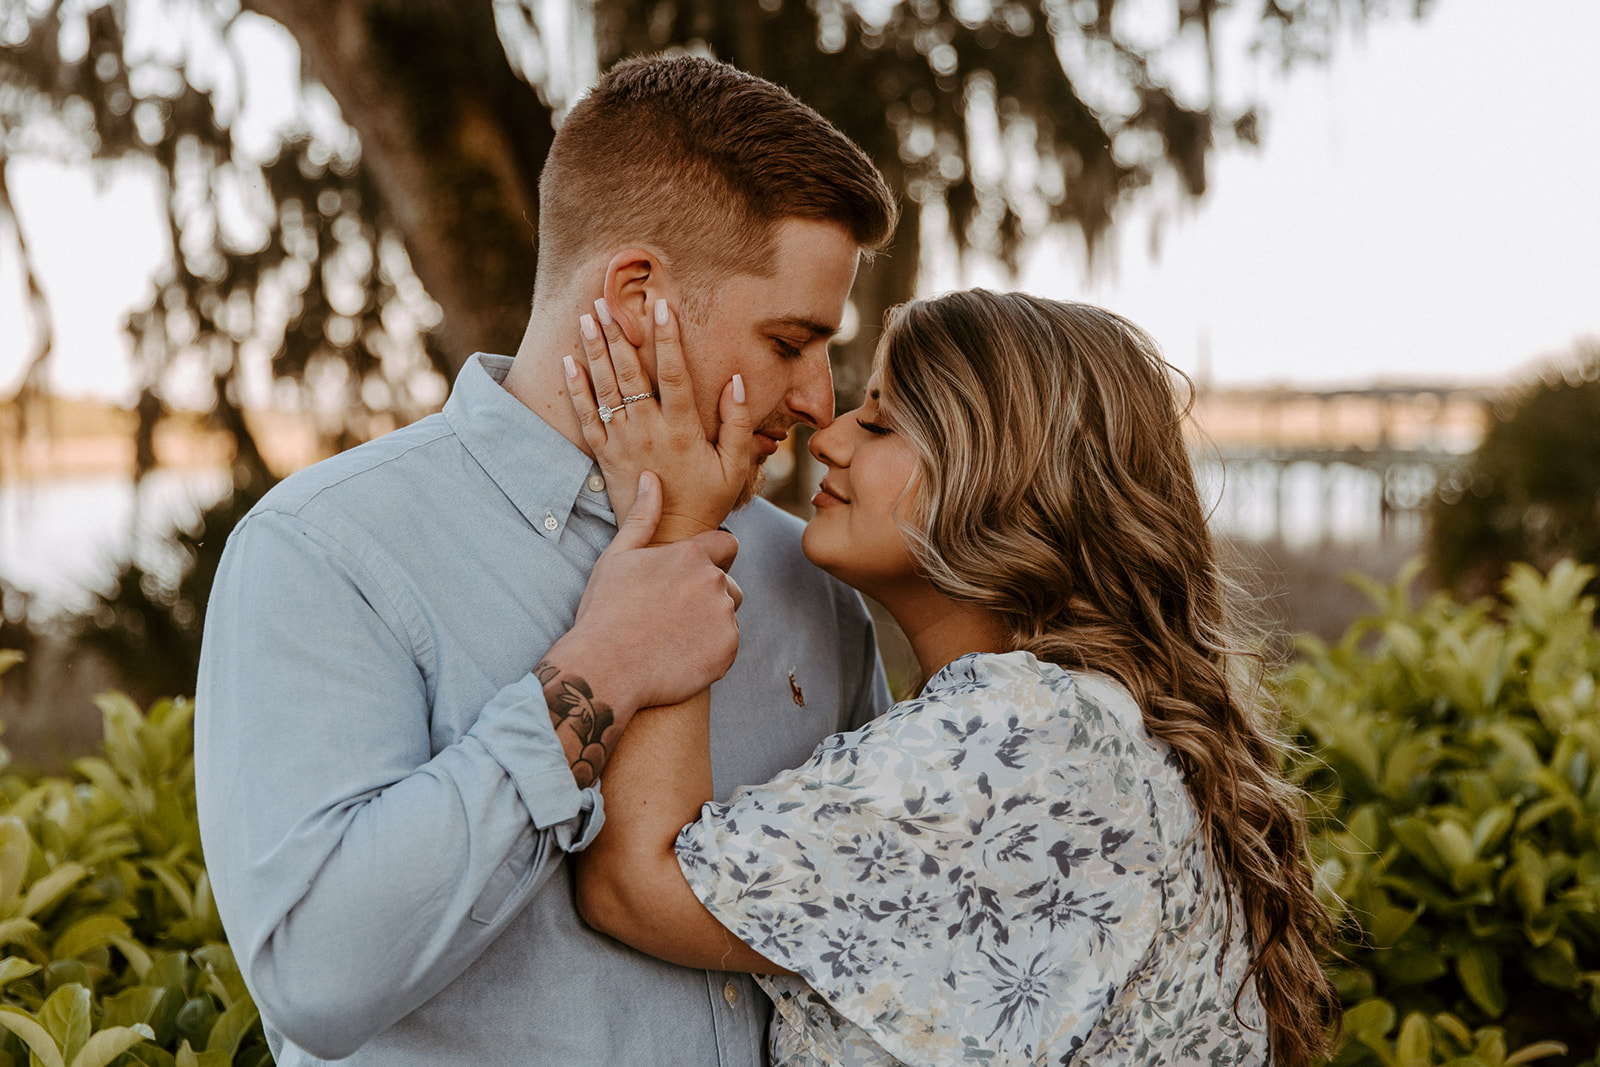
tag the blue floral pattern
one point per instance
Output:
(1004, 870)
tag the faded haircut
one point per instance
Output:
(701, 161)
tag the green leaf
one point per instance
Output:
(188, 1057)
(1371, 1017)
(196, 1018)
(1536, 1051)
(1411, 966)
(1528, 879)
(107, 1045)
(1390, 923)
(231, 1028)
(133, 1006)
(150, 1055)
(138, 959)
(1554, 964)
(89, 933)
(66, 1016)
(222, 973)
(52, 887)
(1540, 810)
(36, 1037)
(1478, 967)
(1414, 1046)
(1414, 836)
(1491, 827)
(174, 884)
(14, 967)
(15, 845)
(17, 931)
(1455, 1028)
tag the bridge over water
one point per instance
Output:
(1350, 463)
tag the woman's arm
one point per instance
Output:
(629, 884)
(628, 881)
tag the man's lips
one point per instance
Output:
(768, 442)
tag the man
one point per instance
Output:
(384, 802)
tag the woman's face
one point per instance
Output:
(854, 535)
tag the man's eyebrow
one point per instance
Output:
(811, 326)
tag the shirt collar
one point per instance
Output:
(540, 471)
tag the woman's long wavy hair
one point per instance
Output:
(1055, 489)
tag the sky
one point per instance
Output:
(1424, 207)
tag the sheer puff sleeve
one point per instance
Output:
(973, 875)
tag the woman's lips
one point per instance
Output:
(826, 498)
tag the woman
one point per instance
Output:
(1075, 844)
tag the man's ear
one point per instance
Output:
(635, 279)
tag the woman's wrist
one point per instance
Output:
(675, 528)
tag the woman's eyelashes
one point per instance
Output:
(873, 427)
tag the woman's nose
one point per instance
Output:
(831, 444)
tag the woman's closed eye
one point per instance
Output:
(875, 428)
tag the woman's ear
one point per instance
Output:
(635, 278)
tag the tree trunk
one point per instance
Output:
(454, 140)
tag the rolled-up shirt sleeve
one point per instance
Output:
(357, 870)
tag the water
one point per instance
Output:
(1305, 504)
(61, 539)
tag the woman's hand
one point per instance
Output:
(701, 480)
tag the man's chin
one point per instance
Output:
(752, 485)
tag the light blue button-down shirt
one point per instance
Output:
(383, 802)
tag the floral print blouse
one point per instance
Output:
(1004, 870)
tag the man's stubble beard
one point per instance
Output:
(752, 485)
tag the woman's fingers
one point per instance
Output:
(597, 349)
(630, 376)
(584, 403)
(672, 372)
(735, 438)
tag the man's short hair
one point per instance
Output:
(700, 160)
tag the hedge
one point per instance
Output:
(1452, 753)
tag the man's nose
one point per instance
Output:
(811, 394)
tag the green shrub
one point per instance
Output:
(113, 953)
(1532, 490)
(1454, 753)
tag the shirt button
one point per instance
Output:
(596, 483)
(730, 993)
(550, 522)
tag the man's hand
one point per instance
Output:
(656, 626)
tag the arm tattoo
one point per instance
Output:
(584, 725)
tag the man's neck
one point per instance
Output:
(537, 376)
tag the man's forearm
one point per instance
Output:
(587, 726)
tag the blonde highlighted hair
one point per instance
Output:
(1055, 490)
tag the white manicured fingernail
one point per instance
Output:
(572, 368)
(603, 311)
(738, 388)
(661, 312)
(590, 330)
